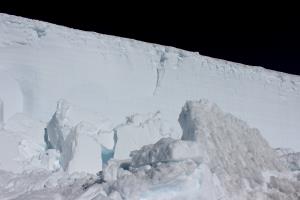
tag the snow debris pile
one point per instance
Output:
(165, 150)
(43, 184)
(218, 157)
(236, 153)
(75, 139)
(290, 158)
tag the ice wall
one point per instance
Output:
(117, 77)
(86, 143)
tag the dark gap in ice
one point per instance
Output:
(106, 154)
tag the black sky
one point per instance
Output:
(271, 41)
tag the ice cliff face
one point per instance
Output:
(118, 77)
(118, 117)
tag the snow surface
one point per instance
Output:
(74, 103)
(247, 167)
(11, 98)
(22, 144)
(118, 77)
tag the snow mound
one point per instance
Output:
(236, 153)
(161, 181)
(22, 145)
(283, 188)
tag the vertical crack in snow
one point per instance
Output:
(115, 139)
(46, 140)
(1, 113)
(160, 72)
(40, 31)
(106, 153)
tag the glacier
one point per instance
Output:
(90, 116)
(117, 77)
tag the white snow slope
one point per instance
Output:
(118, 77)
(73, 103)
